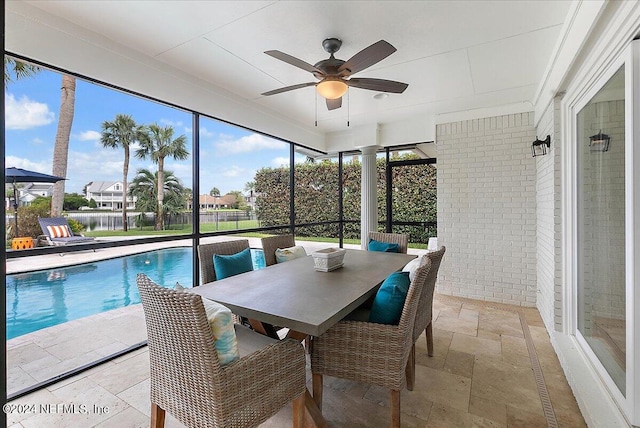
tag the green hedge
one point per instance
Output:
(316, 197)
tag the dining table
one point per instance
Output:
(297, 296)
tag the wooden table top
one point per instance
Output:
(295, 295)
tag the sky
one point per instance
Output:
(229, 155)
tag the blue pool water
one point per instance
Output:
(45, 298)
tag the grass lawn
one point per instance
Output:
(230, 226)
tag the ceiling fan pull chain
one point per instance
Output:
(348, 107)
(316, 92)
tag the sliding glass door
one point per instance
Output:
(600, 149)
(604, 196)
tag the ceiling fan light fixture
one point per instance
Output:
(332, 88)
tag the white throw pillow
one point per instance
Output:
(411, 267)
(224, 333)
(286, 254)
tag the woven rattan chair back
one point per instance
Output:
(188, 381)
(184, 363)
(372, 353)
(272, 243)
(206, 252)
(392, 238)
(425, 304)
(407, 321)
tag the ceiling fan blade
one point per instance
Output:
(367, 57)
(289, 88)
(380, 85)
(294, 61)
(334, 104)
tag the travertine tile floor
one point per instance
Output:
(480, 376)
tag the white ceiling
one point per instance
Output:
(455, 55)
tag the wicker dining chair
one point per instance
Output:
(272, 243)
(424, 314)
(367, 352)
(208, 274)
(206, 252)
(392, 238)
(188, 381)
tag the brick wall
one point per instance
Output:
(487, 209)
(548, 221)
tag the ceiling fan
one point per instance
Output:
(335, 74)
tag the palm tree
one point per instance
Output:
(144, 187)
(61, 147)
(65, 121)
(158, 143)
(215, 192)
(122, 132)
(250, 186)
(18, 68)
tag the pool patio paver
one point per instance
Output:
(462, 385)
(480, 376)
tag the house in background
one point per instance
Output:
(250, 199)
(208, 202)
(108, 195)
(27, 193)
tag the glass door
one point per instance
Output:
(601, 283)
(604, 166)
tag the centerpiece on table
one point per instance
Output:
(328, 259)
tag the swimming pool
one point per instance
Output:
(45, 298)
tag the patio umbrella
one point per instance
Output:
(18, 175)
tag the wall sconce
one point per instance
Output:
(539, 147)
(599, 142)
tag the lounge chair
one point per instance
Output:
(58, 232)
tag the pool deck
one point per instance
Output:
(481, 373)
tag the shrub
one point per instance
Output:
(28, 221)
(316, 197)
(75, 225)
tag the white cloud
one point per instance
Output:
(234, 171)
(37, 141)
(204, 133)
(103, 165)
(249, 143)
(298, 158)
(25, 113)
(280, 161)
(14, 161)
(182, 170)
(89, 136)
(167, 122)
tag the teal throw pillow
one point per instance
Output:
(389, 301)
(226, 266)
(382, 246)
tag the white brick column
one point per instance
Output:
(369, 196)
(487, 208)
